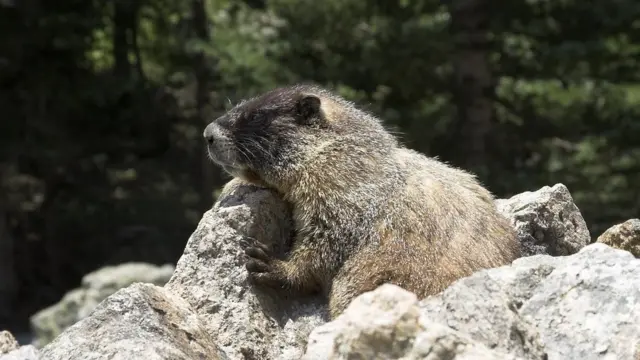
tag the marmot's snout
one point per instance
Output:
(220, 145)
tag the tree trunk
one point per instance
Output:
(133, 32)
(473, 83)
(125, 24)
(122, 66)
(8, 281)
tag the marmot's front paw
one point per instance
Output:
(262, 267)
(259, 258)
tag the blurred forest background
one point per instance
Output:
(103, 104)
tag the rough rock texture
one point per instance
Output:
(10, 350)
(208, 301)
(95, 287)
(625, 236)
(142, 321)
(581, 306)
(7, 342)
(483, 307)
(387, 324)
(547, 221)
(211, 276)
(27, 352)
(584, 306)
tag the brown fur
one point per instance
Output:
(367, 210)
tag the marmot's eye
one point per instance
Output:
(249, 118)
(261, 117)
(257, 116)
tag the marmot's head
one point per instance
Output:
(276, 134)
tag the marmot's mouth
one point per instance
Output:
(232, 167)
(224, 157)
(220, 146)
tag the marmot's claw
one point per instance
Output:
(263, 274)
(247, 242)
(269, 280)
(260, 266)
(257, 266)
(258, 252)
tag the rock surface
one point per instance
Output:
(10, 350)
(27, 352)
(387, 323)
(7, 342)
(142, 321)
(209, 292)
(211, 276)
(584, 306)
(95, 287)
(625, 236)
(580, 306)
(547, 221)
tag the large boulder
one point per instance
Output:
(583, 306)
(387, 323)
(211, 276)
(95, 287)
(142, 321)
(547, 221)
(210, 292)
(580, 305)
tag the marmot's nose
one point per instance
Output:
(208, 133)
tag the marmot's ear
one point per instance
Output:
(308, 108)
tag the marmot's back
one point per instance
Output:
(441, 225)
(459, 212)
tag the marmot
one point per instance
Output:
(366, 210)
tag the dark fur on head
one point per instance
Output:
(366, 210)
(271, 136)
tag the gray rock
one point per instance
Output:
(27, 352)
(625, 236)
(96, 286)
(142, 321)
(246, 322)
(547, 221)
(207, 308)
(387, 324)
(7, 342)
(10, 350)
(581, 306)
(485, 306)
(589, 306)
(584, 306)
